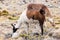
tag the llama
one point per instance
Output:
(36, 12)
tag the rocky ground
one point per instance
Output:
(9, 13)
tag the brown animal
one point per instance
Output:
(35, 12)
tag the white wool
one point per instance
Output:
(15, 35)
(22, 18)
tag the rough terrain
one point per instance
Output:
(10, 11)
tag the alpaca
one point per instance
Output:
(36, 12)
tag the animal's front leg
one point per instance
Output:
(41, 29)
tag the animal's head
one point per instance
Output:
(14, 29)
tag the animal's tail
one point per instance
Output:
(42, 11)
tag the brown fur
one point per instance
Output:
(34, 13)
(38, 7)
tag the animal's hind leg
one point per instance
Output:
(41, 29)
(41, 26)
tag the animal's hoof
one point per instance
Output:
(36, 33)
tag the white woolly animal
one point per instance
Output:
(23, 18)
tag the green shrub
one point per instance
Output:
(13, 18)
(4, 12)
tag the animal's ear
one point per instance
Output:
(12, 25)
(42, 11)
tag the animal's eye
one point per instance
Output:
(42, 11)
